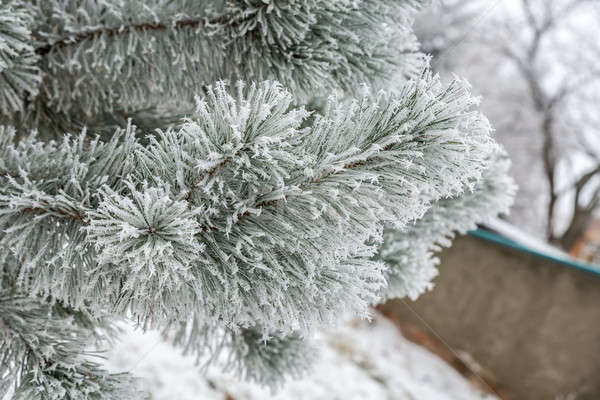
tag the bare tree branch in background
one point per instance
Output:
(537, 66)
(547, 104)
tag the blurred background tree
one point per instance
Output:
(541, 94)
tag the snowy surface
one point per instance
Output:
(359, 360)
(513, 233)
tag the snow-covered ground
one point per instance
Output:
(359, 360)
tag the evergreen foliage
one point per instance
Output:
(19, 74)
(43, 348)
(232, 218)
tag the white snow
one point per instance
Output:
(359, 360)
(515, 234)
(527, 240)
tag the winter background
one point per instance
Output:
(536, 66)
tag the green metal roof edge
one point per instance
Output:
(496, 238)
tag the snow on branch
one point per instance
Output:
(19, 73)
(45, 354)
(254, 213)
(99, 58)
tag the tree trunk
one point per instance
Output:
(580, 222)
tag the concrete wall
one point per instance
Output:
(532, 323)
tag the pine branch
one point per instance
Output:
(19, 74)
(103, 58)
(249, 352)
(198, 207)
(121, 30)
(45, 354)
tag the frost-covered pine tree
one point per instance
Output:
(228, 171)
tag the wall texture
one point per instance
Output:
(531, 323)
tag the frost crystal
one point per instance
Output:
(147, 237)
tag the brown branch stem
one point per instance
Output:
(118, 30)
